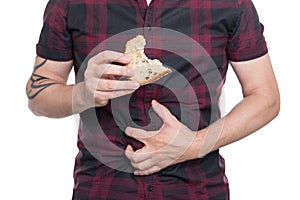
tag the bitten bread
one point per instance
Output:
(145, 69)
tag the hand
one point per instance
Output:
(167, 146)
(102, 78)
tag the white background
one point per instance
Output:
(37, 154)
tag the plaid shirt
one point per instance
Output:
(196, 39)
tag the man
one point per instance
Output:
(167, 148)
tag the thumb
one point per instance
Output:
(161, 110)
(129, 151)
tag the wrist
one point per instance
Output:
(198, 146)
(209, 138)
(80, 102)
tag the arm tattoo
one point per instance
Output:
(38, 82)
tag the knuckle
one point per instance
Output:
(106, 84)
(134, 159)
(91, 64)
(111, 84)
(110, 95)
(102, 96)
(104, 55)
(140, 166)
(156, 169)
(87, 72)
(90, 61)
(103, 103)
(99, 101)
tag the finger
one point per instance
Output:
(162, 111)
(146, 172)
(138, 161)
(112, 69)
(144, 164)
(137, 156)
(129, 152)
(105, 95)
(109, 57)
(139, 134)
(114, 85)
(123, 59)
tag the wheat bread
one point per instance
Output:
(145, 70)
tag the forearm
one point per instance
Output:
(54, 101)
(49, 95)
(164, 148)
(259, 106)
(57, 101)
(252, 113)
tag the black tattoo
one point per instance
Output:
(38, 82)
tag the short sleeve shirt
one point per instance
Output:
(196, 39)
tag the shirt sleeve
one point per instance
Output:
(246, 40)
(55, 40)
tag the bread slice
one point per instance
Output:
(145, 69)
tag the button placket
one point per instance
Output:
(148, 29)
(148, 18)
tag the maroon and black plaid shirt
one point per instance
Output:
(196, 38)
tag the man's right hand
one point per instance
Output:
(102, 78)
(49, 95)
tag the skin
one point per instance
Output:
(59, 100)
(259, 106)
(162, 148)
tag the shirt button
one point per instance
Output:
(148, 28)
(150, 188)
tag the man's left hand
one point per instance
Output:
(167, 146)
